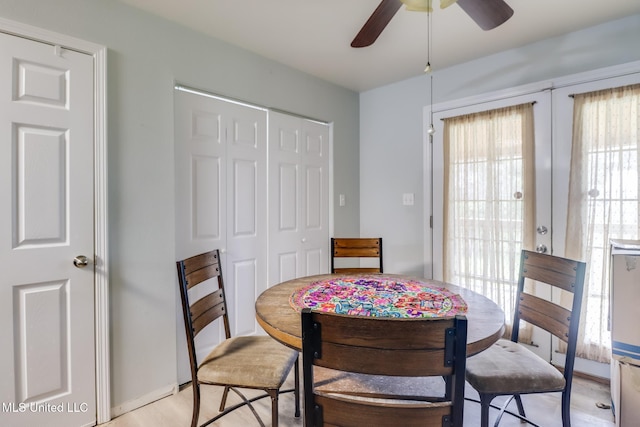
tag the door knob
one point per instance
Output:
(541, 249)
(80, 261)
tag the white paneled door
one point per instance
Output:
(255, 184)
(298, 197)
(47, 355)
(221, 201)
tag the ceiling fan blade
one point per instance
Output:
(488, 14)
(376, 23)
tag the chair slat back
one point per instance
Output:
(356, 248)
(562, 273)
(200, 263)
(389, 347)
(345, 413)
(359, 346)
(207, 309)
(211, 305)
(546, 315)
(556, 271)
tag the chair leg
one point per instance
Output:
(274, 407)
(485, 402)
(223, 401)
(296, 388)
(566, 406)
(196, 403)
(520, 405)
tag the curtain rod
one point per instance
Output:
(532, 103)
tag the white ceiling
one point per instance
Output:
(314, 36)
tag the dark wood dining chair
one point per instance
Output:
(355, 247)
(507, 367)
(249, 362)
(362, 371)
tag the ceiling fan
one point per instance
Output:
(488, 14)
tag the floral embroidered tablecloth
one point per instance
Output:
(378, 296)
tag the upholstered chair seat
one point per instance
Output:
(510, 368)
(248, 361)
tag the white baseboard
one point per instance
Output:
(143, 400)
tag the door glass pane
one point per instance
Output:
(603, 199)
(487, 198)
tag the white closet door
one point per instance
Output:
(200, 174)
(299, 197)
(315, 241)
(220, 176)
(245, 266)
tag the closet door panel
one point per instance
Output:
(315, 160)
(284, 192)
(286, 197)
(200, 193)
(220, 190)
(200, 178)
(246, 204)
(299, 191)
(205, 204)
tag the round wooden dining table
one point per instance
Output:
(279, 319)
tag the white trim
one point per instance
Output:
(599, 74)
(563, 81)
(332, 212)
(484, 98)
(101, 252)
(103, 362)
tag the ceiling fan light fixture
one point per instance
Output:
(446, 3)
(418, 5)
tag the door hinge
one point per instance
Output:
(431, 221)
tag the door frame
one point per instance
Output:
(101, 253)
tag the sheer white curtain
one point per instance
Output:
(603, 199)
(489, 203)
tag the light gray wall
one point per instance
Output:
(146, 55)
(391, 128)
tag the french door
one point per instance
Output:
(539, 223)
(553, 115)
(563, 106)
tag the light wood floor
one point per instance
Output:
(175, 411)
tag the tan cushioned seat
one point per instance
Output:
(251, 361)
(496, 370)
